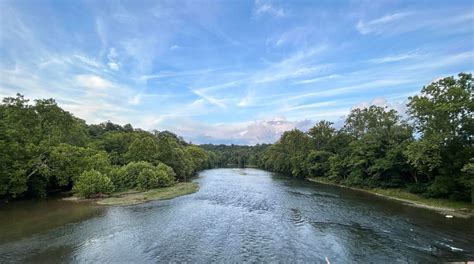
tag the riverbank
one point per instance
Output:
(137, 197)
(446, 207)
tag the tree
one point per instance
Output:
(126, 177)
(161, 176)
(93, 183)
(375, 154)
(198, 156)
(143, 149)
(322, 134)
(443, 115)
(28, 134)
(318, 163)
(67, 162)
(116, 144)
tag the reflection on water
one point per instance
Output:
(238, 215)
(24, 218)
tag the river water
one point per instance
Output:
(238, 215)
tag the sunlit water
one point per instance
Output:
(238, 215)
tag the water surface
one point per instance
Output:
(238, 215)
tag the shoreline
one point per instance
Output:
(133, 197)
(464, 212)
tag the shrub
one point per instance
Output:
(126, 177)
(169, 171)
(92, 183)
(160, 176)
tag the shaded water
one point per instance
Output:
(238, 215)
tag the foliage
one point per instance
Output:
(67, 162)
(143, 149)
(427, 154)
(443, 115)
(93, 183)
(127, 176)
(45, 149)
(161, 176)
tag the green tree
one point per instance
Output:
(161, 176)
(93, 183)
(67, 162)
(126, 177)
(143, 149)
(322, 134)
(443, 115)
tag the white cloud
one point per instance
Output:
(112, 57)
(136, 99)
(265, 7)
(101, 31)
(446, 21)
(170, 74)
(248, 133)
(399, 106)
(210, 99)
(114, 66)
(395, 58)
(174, 47)
(319, 79)
(378, 25)
(93, 81)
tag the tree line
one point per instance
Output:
(428, 152)
(45, 149)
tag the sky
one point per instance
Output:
(229, 71)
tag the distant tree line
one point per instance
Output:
(235, 155)
(45, 149)
(430, 152)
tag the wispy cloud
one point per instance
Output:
(93, 82)
(228, 72)
(378, 25)
(210, 99)
(266, 7)
(112, 56)
(318, 79)
(449, 21)
(396, 58)
(167, 74)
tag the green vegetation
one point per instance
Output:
(92, 183)
(129, 198)
(223, 156)
(44, 149)
(410, 198)
(430, 153)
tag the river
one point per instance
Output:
(238, 215)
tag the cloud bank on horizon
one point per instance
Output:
(237, 72)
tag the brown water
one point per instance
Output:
(238, 215)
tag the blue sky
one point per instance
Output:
(229, 71)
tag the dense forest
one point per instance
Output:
(429, 152)
(45, 149)
(235, 155)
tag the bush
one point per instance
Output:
(92, 183)
(417, 188)
(126, 177)
(160, 176)
(169, 171)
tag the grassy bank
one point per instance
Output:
(130, 198)
(137, 197)
(444, 206)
